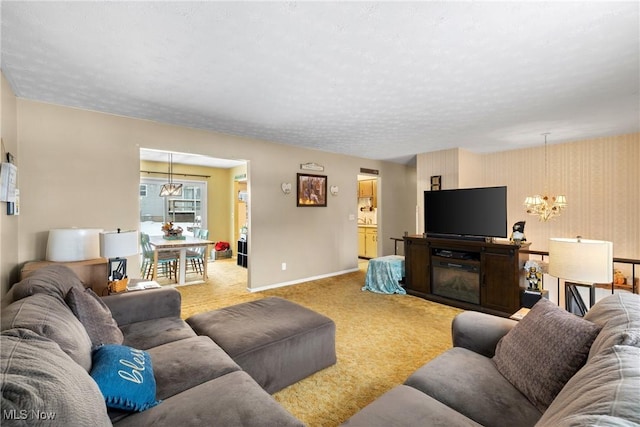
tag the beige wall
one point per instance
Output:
(81, 168)
(600, 177)
(469, 168)
(9, 225)
(444, 163)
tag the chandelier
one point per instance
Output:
(171, 188)
(544, 206)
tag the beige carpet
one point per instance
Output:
(380, 339)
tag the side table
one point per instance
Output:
(93, 272)
(519, 315)
(528, 298)
(141, 285)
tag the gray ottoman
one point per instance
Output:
(275, 341)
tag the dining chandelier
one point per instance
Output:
(171, 188)
(544, 206)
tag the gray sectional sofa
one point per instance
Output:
(51, 328)
(551, 369)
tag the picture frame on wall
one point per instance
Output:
(311, 190)
(435, 182)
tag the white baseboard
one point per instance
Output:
(306, 279)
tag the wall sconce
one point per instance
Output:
(286, 187)
(334, 190)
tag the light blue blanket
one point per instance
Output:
(384, 274)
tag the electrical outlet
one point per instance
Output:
(284, 266)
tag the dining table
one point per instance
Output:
(160, 244)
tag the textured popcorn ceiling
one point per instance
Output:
(371, 79)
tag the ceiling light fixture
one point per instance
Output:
(544, 206)
(171, 188)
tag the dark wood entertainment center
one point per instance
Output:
(472, 275)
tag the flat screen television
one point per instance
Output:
(466, 212)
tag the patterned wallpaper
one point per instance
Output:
(600, 178)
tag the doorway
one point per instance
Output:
(208, 194)
(208, 191)
(368, 215)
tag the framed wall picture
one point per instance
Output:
(435, 182)
(312, 190)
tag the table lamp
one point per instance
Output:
(580, 262)
(115, 245)
(73, 244)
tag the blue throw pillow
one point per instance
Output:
(125, 377)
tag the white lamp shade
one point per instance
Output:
(561, 200)
(533, 200)
(73, 244)
(116, 244)
(581, 260)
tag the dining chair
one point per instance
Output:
(167, 260)
(197, 256)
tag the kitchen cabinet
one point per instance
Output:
(367, 242)
(371, 242)
(365, 188)
(369, 189)
(362, 252)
